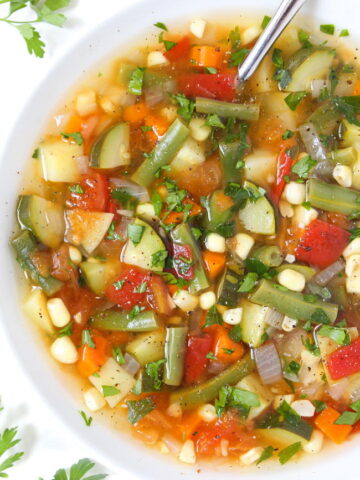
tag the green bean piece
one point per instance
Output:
(191, 397)
(24, 245)
(344, 156)
(183, 236)
(174, 355)
(114, 320)
(242, 111)
(270, 255)
(230, 154)
(290, 303)
(308, 272)
(214, 215)
(333, 198)
(163, 153)
(325, 118)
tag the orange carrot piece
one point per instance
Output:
(223, 202)
(159, 126)
(225, 349)
(325, 422)
(135, 113)
(91, 359)
(74, 124)
(357, 88)
(206, 56)
(177, 217)
(214, 263)
(189, 423)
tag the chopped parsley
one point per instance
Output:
(233, 397)
(237, 57)
(138, 409)
(329, 29)
(118, 285)
(109, 390)
(135, 233)
(265, 22)
(266, 454)
(214, 121)
(112, 234)
(287, 134)
(141, 288)
(248, 283)
(87, 419)
(136, 81)
(118, 355)
(211, 356)
(293, 99)
(86, 339)
(186, 106)
(135, 311)
(339, 335)
(213, 317)
(287, 453)
(158, 258)
(76, 136)
(157, 202)
(235, 333)
(303, 166)
(154, 371)
(76, 189)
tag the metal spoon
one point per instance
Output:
(283, 16)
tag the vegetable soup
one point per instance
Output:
(193, 251)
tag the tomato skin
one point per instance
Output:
(78, 300)
(284, 164)
(182, 268)
(195, 356)
(321, 244)
(63, 269)
(179, 51)
(344, 361)
(219, 86)
(95, 196)
(125, 297)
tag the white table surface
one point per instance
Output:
(46, 444)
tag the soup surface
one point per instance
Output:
(193, 251)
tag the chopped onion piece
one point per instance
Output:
(173, 445)
(268, 363)
(324, 277)
(337, 390)
(131, 365)
(154, 95)
(126, 213)
(312, 142)
(133, 189)
(274, 318)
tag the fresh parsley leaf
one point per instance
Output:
(344, 33)
(158, 258)
(136, 81)
(348, 418)
(304, 38)
(141, 288)
(248, 283)
(78, 472)
(266, 454)
(319, 405)
(287, 453)
(287, 134)
(76, 136)
(349, 107)
(87, 419)
(355, 232)
(161, 25)
(228, 351)
(320, 316)
(197, 233)
(277, 58)
(329, 29)
(32, 39)
(214, 121)
(211, 356)
(76, 189)
(126, 200)
(235, 333)
(233, 397)
(186, 106)
(339, 335)
(138, 409)
(146, 128)
(135, 311)
(118, 355)
(289, 414)
(154, 371)
(265, 22)
(303, 166)
(112, 235)
(109, 390)
(293, 99)
(237, 57)
(283, 77)
(169, 44)
(256, 266)
(135, 233)
(311, 347)
(66, 331)
(234, 38)
(8, 440)
(213, 317)
(118, 285)
(86, 339)
(36, 153)
(292, 367)
(211, 70)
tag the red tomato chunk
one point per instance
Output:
(92, 194)
(345, 360)
(195, 357)
(129, 289)
(219, 86)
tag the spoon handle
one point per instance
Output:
(277, 24)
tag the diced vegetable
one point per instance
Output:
(91, 193)
(270, 255)
(228, 289)
(219, 210)
(249, 112)
(258, 216)
(307, 65)
(147, 347)
(321, 244)
(219, 86)
(325, 118)
(126, 322)
(87, 229)
(268, 363)
(196, 360)
(351, 134)
(98, 274)
(325, 421)
(35, 307)
(332, 198)
(225, 349)
(182, 235)
(308, 272)
(344, 361)
(143, 254)
(190, 397)
(290, 303)
(163, 153)
(113, 382)
(111, 150)
(253, 384)
(43, 218)
(283, 433)
(59, 160)
(231, 155)
(253, 323)
(174, 355)
(25, 246)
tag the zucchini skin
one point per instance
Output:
(270, 255)
(332, 198)
(290, 303)
(113, 320)
(215, 217)
(24, 245)
(109, 144)
(191, 397)
(174, 354)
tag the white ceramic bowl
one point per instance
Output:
(117, 450)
